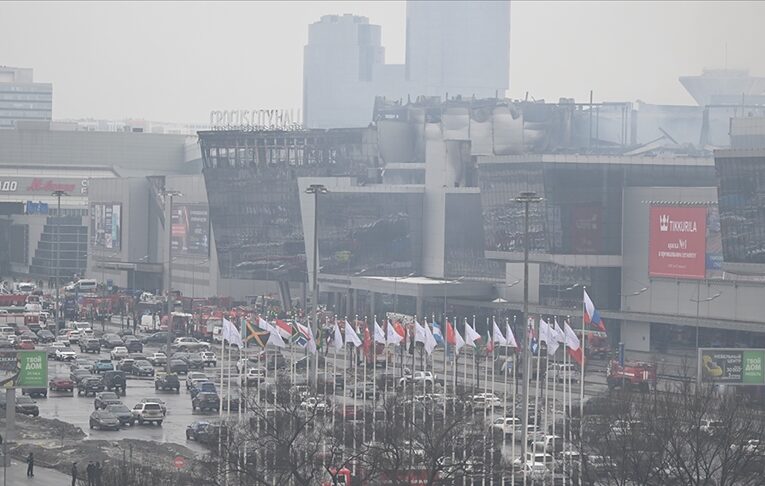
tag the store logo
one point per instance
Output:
(663, 222)
(49, 186)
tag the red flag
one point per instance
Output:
(450, 337)
(490, 342)
(367, 345)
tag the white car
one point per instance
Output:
(63, 354)
(157, 359)
(563, 372)
(536, 471)
(245, 363)
(485, 401)
(314, 403)
(549, 443)
(73, 336)
(420, 378)
(508, 425)
(119, 352)
(254, 376)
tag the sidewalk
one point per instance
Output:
(16, 474)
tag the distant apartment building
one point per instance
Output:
(459, 48)
(21, 99)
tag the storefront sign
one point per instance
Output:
(677, 242)
(33, 369)
(106, 225)
(41, 185)
(255, 120)
(191, 229)
(732, 366)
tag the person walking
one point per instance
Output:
(30, 465)
(98, 470)
(74, 474)
(90, 474)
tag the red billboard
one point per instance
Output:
(677, 244)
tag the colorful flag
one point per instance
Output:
(284, 329)
(532, 337)
(453, 337)
(256, 334)
(572, 342)
(489, 342)
(306, 334)
(350, 335)
(591, 314)
(437, 333)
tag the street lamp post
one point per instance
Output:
(169, 195)
(58, 195)
(698, 300)
(525, 198)
(316, 190)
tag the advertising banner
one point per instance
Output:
(191, 229)
(677, 242)
(25, 369)
(732, 366)
(106, 225)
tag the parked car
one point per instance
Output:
(205, 401)
(209, 358)
(73, 336)
(157, 359)
(156, 338)
(133, 344)
(78, 375)
(45, 336)
(122, 413)
(59, 383)
(90, 386)
(143, 368)
(119, 352)
(90, 345)
(193, 376)
(205, 386)
(126, 365)
(63, 354)
(104, 420)
(103, 365)
(103, 399)
(25, 405)
(254, 376)
(35, 392)
(167, 381)
(202, 431)
(158, 401)
(55, 346)
(26, 345)
(508, 426)
(111, 341)
(148, 413)
(115, 380)
(179, 366)
(420, 378)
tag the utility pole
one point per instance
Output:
(169, 195)
(58, 195)
(526, 198)
(316, 190)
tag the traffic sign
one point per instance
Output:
(179, 462)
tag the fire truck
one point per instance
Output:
(631, 374)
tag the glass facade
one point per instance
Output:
(464, 245)
(252, 189)
(63, 242)
(25, 101)
(370, 233)
(582, 208)
(741, 198)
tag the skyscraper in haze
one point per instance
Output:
(454, 47)
(21, 99)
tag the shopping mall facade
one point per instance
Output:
(419, 216)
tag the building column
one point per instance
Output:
(636, 336)
(419, 306)
(372, 302)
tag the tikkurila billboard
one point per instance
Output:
(677, 242)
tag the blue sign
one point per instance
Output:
(37, 207)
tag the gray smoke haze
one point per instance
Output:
(176, 61)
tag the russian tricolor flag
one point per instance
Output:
(591, 314)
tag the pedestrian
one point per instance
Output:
(74, 474)
(98, 470)
(30, 466)
(90, 474)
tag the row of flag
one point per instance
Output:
(430, 335)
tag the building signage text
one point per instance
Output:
(677, 242)
(255, 120)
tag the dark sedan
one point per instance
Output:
(90, 386)
(111, 341)
(105, 399)
(27, 406)
(45, 336)
(103, 420)
(156, 338)
(178, 366)
(123, 414)
(143, 368)
(205, 401)
(205, 386)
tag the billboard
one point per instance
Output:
(191, 229)
(25, 369)
(106, 225)
(732, 366)
(677, 242)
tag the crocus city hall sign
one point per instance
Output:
(255, 120)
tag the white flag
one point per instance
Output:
(231, 334)
(306, 331)
(337, 341)
(350, 335)
(379, 334)
(430, 340)
(559, 334)
(274, 339)
(419, 332)
(459, 343)
(394, 338)
(510, 336)
(470, 335)
(547, 335)
(572, 341)
(498, 337)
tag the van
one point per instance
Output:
(24, 287)
(80, 325)
(7, 332)
(563, 372)
(86, 286)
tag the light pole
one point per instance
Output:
(58, 195)
(698, 301)
(525, 198)
(169, 195)
(316, 190)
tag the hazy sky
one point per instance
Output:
(176, 61)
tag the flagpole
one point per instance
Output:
(527, 385)
(565, 405)
(364, 374)
(514, 389)
(537, 384)
(581, 385)
(220, 404)
(491, 416)
(547, 402)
